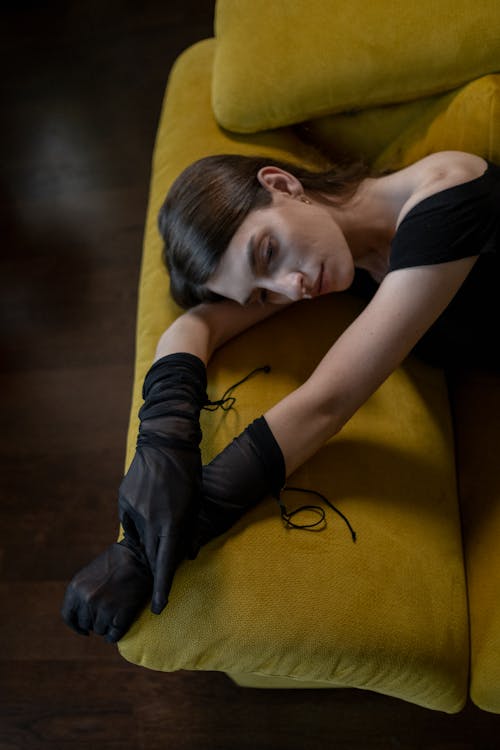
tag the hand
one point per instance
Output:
(107, 595)
(159, 496)
(159, 500)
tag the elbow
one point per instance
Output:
(330, 421)
(333, 414)
(336, 427)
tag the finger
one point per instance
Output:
(124, 618)
(166, 562)
(74, 614)
(102, 622)
(114, 635)
(120, 624)
(151, 546)
(74, 623)
(84, 619)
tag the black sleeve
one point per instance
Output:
(455, 223)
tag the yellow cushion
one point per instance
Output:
(394, 136)
(477, 405)
(363, 134)
(463, 120)
(388, 613)
(285, 61)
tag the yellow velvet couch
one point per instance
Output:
(412, 608)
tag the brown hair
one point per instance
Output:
(208, 202)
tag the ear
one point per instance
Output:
(277, 180)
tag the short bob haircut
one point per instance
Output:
(208, 202)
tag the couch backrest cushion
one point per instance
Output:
(467, 119)
(392, 137)
(366, 133)
(286, 61)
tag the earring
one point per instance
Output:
(304, 199)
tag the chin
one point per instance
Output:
(350, 279)
(341, 281)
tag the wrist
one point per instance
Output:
(270, 454)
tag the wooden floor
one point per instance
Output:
(82, 84)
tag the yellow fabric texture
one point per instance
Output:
(363, 134)
(464, 120)
(387, 613)
(478, 405)
(392, 137)
(286, 61)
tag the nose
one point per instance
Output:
(290, 285)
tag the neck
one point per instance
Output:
(368, 219)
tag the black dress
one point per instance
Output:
(455, 223)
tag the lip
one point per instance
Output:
(319, 283)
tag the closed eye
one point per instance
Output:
(268, 252)
(268, 255)
(262, 255)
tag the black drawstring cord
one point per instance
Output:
(221, 402)
(226, 403)
(286, 516)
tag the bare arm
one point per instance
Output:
(406, 304)
(206, 327)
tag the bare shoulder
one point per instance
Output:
(440, 171)
(449, 168)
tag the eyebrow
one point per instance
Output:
(250, 256)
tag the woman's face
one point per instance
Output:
(288, 251)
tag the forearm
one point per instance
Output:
(206, 327)
(301, 424)
(304, 420)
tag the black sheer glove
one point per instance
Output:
(242, 475)
(159, 497)
(108, 594)
(246, 471)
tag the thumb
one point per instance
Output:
(164, 571)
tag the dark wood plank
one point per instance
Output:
(67, 704)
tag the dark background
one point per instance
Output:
(82, 86)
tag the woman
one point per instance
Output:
(242, 238)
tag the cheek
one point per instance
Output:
(337, 277)
(339, 265)
(347, 276)
(329, 238)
